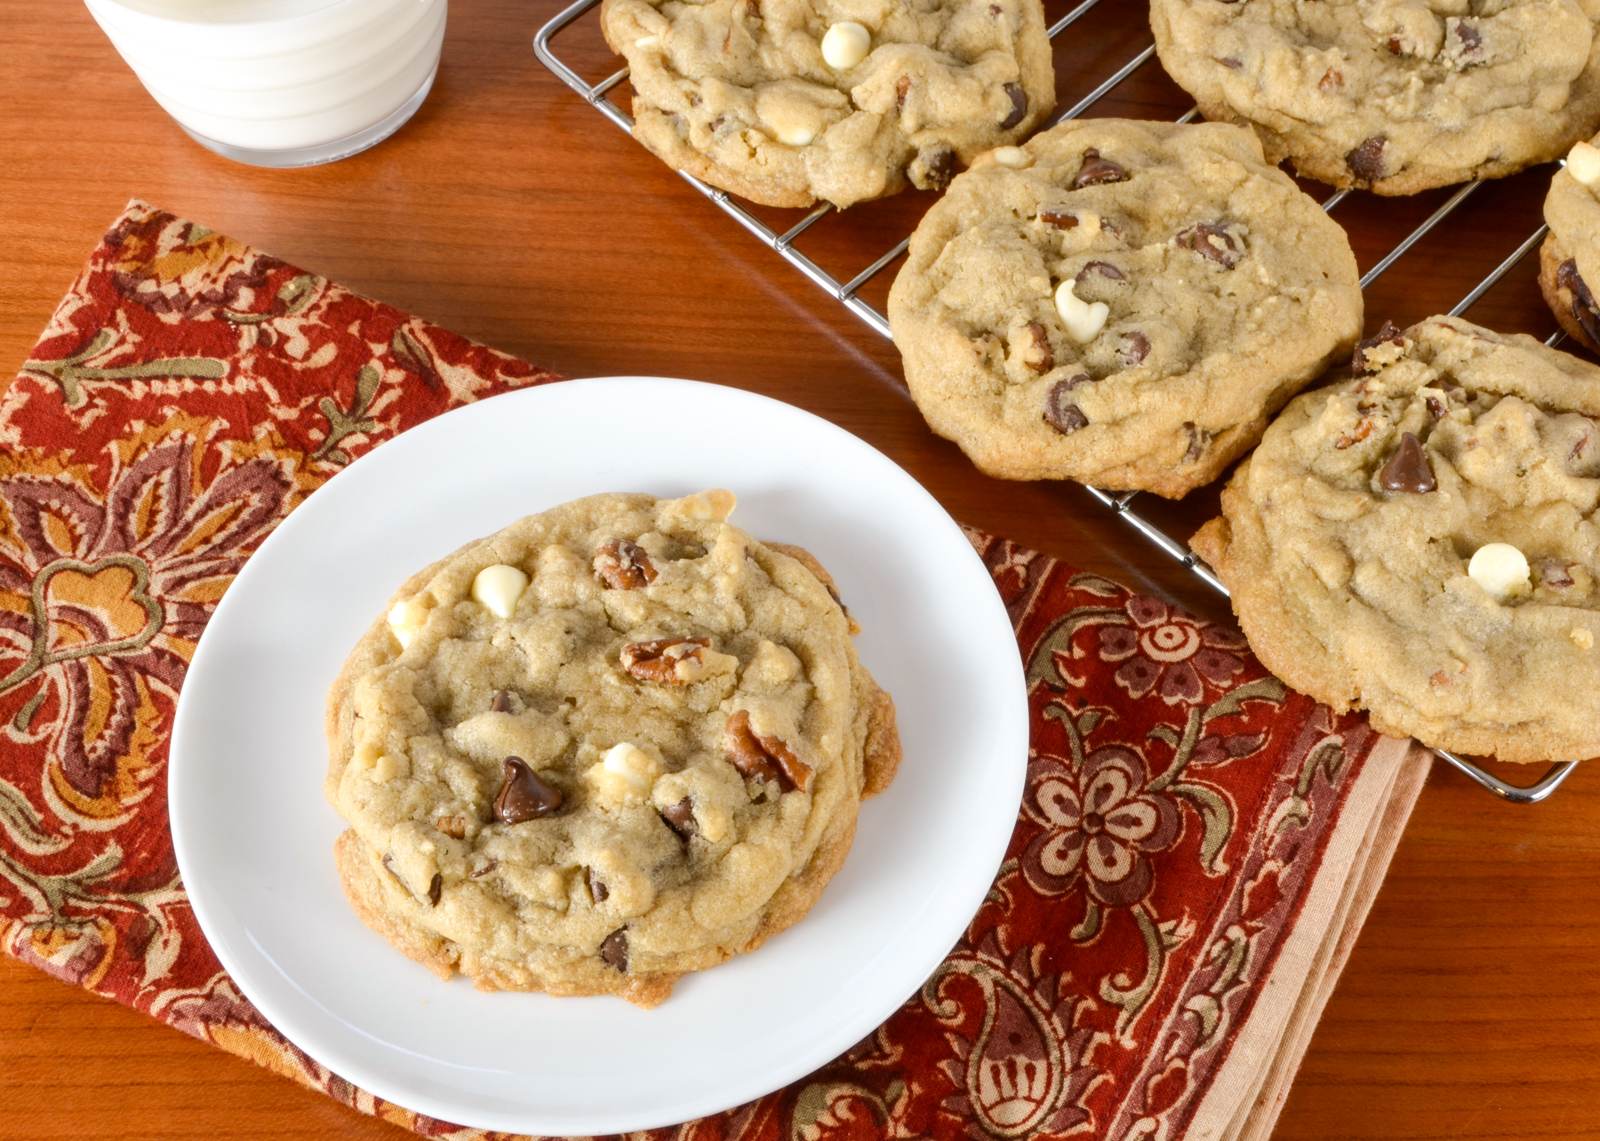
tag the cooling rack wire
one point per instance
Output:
(848, 294)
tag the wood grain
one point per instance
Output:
(509, 211)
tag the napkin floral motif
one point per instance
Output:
(190, 391)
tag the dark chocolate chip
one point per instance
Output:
(1394, 45)
(524, 795)
(680, 818)
(597, 888)
(1468, 36)
(1366, 161)
(1584, 311)
(1408, 468)
(435, 890)
(479, 872)
(1389, 334)
(1059, 410)
(1199, 441)
(1019, 106)
(1043, 359)
(1100, 269)
(1096, 171)
(1232, 63)
(933, 168)
(1060, 219)
(1132, 348)
(614, 951)
(1212, 241)
(501, 702)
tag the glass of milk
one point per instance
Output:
(281, 82)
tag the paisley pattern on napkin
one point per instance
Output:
(189, 392)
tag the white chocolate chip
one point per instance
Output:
(626, 772)
(646, 41)
(406, 619)
(1083, 321)
(1014, 157)
(1583, 163)
(1581, 638)
(386, 767)
(790, 113)
(1500, 569)
(496, 588)
(845, 44)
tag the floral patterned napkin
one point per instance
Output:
(1195, 852)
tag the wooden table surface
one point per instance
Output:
(509, 211)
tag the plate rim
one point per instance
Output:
(694, 1104)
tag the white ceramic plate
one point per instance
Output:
(254, 837)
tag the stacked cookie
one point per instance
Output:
(612, 743)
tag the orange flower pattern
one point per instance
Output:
(189, 392)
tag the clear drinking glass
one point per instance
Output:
(281, 82)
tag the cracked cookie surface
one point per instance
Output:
(611, 743)
(1421, 541)
(1120, 302)
(788, 102)
(1395, 95)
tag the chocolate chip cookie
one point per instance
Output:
(1421, 541)
(1120, 302)
(1393, 95)
(1569, 259)
(614, 742)
(787, 102)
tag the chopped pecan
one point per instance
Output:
(454, 827)
(1362, 430)
(1060, 219)
(1363, 359)
(658, 660)
(763, 758)
(624, 565)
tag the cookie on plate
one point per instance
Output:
(1120, 302)
(614, 742)
(1421, 541)
(1394, 95)
(787, 102)
(1569, 259)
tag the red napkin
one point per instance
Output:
(1194, 854)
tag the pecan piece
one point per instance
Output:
(1060, 219)
(658, 660)
(763, 758)
(624, 565)
(454, 827)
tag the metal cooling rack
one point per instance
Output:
(847, 293)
